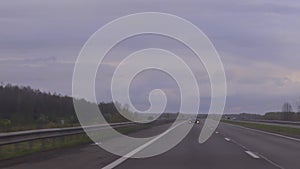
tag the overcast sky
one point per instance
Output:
(258, 42)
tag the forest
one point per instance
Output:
(24, 108)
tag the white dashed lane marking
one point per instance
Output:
(130, 154)
(227, 139)
(252, 154)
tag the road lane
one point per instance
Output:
(282, 151)
(215, 153)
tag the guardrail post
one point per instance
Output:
(30, 145)
(16, 147)
(43, 143)
(53, 141)
(62, 139)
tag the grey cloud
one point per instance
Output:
(245, 33)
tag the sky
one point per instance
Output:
(258, 43)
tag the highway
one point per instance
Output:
(231, 147)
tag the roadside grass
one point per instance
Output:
(30, 147)
(25, 148)
(283, 130)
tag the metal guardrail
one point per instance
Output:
(21, 143)
(24, 136)
(31, 135)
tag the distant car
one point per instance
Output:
(196, 121)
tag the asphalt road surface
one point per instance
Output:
(230, 147)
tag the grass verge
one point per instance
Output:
(283, 130)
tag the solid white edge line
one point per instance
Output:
(252, 154)
(265, 132)
(271, 162)
(227, 139)
(130, 154)
(260, 155)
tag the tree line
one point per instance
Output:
(284, 116)
(23, 108)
